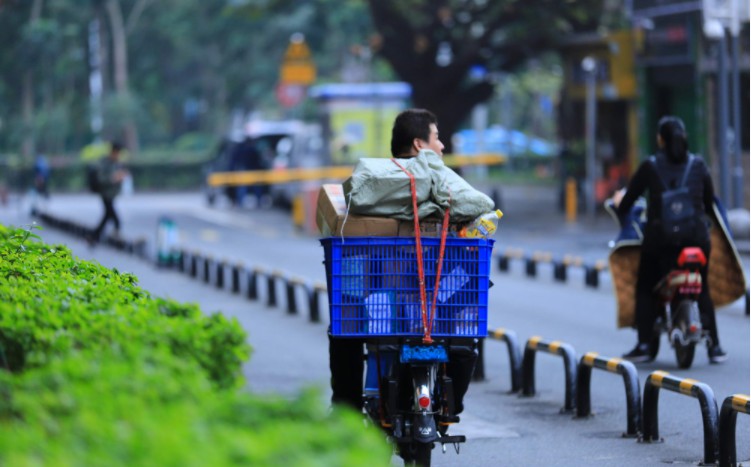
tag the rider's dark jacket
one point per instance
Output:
(650, 177)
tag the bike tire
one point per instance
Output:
(684, 355)
(419, 455)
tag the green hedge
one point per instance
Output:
(98, 372)
(153, 410)
(51, 303)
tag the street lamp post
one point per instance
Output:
(736, 103)
(588, 66)
(714, 30)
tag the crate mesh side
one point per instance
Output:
(374, 286)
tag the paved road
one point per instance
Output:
(503, 429)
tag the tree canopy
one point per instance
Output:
(181, 67)
(448, 50)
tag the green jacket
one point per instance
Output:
(109, 188)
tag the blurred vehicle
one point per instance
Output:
(498, 139)
(265, 145)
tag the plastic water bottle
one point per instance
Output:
(482, 227)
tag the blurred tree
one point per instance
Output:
(447, 50)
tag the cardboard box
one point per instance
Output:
(332, 220)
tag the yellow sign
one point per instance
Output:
(298, 66)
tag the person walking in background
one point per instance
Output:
(40, 183)
(41, 176)
(658, 173)
(110, 173)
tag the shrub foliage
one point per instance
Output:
(98, 372)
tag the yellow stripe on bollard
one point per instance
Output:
(740, 403)
(498, 333)
(554, 346)
(589, 358)
(686, 385)
(657, 377)
(613, 363)
(533, 341)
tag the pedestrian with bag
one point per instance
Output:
(109, 178)
(679, 205)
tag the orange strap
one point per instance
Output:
(426, 324)
(444, 232)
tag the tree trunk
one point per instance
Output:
(120, 67)
(28, 146)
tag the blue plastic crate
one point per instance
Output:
(373, 286)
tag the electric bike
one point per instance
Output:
(676, 295)
(678, 314)
(413, 303)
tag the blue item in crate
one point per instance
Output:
(373, 286)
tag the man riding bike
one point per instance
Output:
(414, 130)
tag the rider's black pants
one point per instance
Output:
(347, 366)
(656, 261)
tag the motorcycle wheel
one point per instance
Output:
(419, 455)
(684, 353)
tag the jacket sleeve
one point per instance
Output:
(636, 187)
(708, 195)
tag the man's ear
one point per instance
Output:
(417, 144)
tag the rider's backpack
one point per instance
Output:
(92, 178)
(679, 220)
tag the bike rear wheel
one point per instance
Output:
(684, 355)
(416, 454)
(684, 351)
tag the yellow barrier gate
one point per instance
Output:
(266, 177)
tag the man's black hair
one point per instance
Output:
(116, 146)
(408, 125)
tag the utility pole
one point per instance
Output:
(589, 66)
(734, 29)
(95, 79)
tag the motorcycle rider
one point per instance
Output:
(413, 130)
(657, 255)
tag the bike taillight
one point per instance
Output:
(423, 402)
(423, 397)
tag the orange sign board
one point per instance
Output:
(298, 73)
(297, 67)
